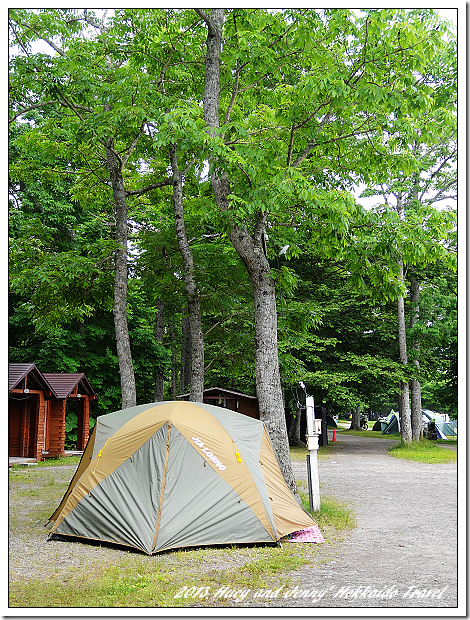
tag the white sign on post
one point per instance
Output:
(313, 430)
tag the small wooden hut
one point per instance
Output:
(29, 393)
(230, 399)
(37, 409)
(68, 387)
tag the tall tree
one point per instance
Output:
(291, 80)
(194, 308)
(100, 112)
(252, 250)
(429, 143)
(61, 278)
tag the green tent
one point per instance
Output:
(393, 426)
(331, 422)
(443, 427)
(178, 474)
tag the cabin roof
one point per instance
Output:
(35, 379)
(65, 383)
(60, 384)
(221, 391)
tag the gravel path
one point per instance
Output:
(403, 552)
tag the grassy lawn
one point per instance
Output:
(300, 453)
(73, 574)
(368, 434)
(423, 451)
(52, 462)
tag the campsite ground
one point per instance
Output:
(403, 552)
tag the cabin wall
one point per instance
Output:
(57, 428)
(249, 407)
(14, 426)
(36, 430)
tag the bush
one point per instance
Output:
(71, 426)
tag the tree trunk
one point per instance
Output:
(404, 401)
(174, 367)
(268, 380)
(415, 386)
(251, 251)
(404, 398)
(194, 309)
(126, 369)
(185, 373)
(356, 419)
(159, 333)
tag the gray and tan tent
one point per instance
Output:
(178, 474)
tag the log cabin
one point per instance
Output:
(37, 409)
(230, 399)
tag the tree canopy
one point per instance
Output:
(269, 136)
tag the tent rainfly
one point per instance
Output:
(178, 474)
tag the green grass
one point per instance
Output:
(332, 513)
(423, 451)
(127, 579)
(156, 581)
(65, 460)
(300, 453)
(368, 434)
(137, 581)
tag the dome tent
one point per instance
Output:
(177, 474)
(444, 428)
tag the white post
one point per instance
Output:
(313, 430)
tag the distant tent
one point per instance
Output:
(444, 428)
(330, 422)
(440, 418)
(449, 429)
(178, 474)
(393, 426)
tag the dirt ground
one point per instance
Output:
(403, 552)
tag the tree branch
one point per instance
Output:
(312, 144)
(143, 190)
(291, 144)
(219, 353)
(45, 39)
(210, 24)
(35, 106)
(129, 151)
(191, 163)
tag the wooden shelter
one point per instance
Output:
(230, 399)
(28, 394)
(68, 387)
(37, 409)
